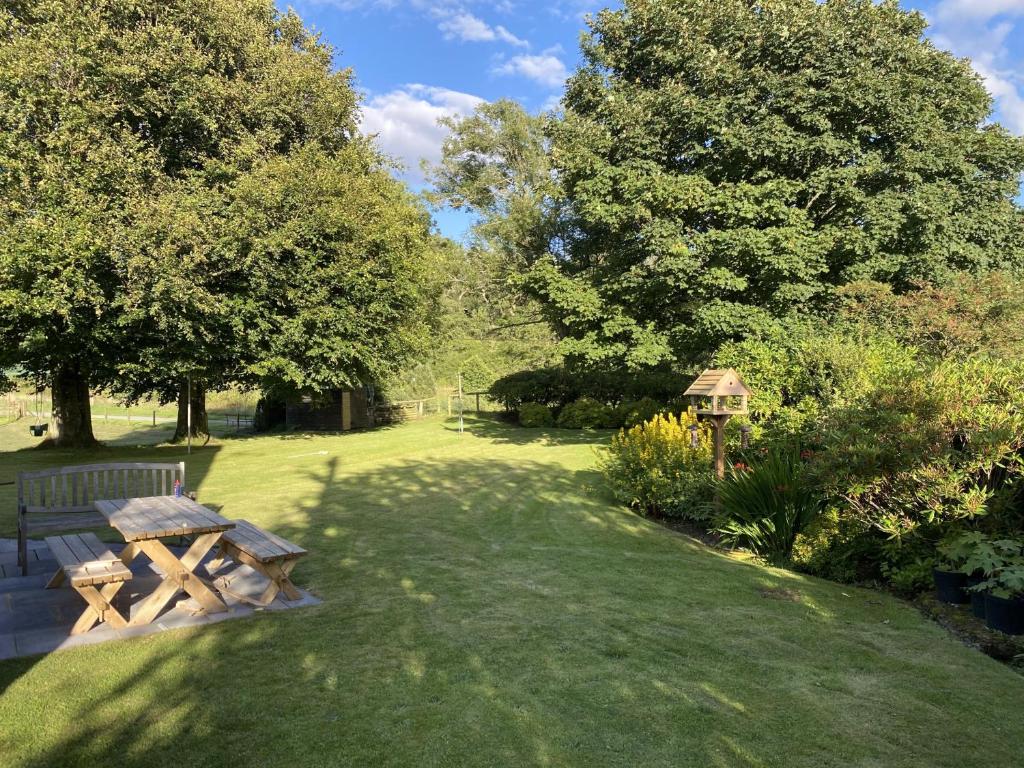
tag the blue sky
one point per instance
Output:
(418, 60)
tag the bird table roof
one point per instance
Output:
(718, 383)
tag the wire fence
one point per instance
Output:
(18, 406)
(15, 406)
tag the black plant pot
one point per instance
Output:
(1005, 615)
(977, 598)
(951, 586)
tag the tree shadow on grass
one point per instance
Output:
(494, 428)
(495, 612)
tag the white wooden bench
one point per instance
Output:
(87, 563)
(265, 553)
(62, 499)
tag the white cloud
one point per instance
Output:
(982, 10)
(405, 121)
(466, 26)
(979, 30)
(545, 68)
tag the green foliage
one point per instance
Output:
(1004, 561)
(727, 165)
(535, 415)
(333, 317)
(765, 506)
(227, 221)
(634, 412)
(900, 439)
(937, 445)
(912, 578)
(495, 164)
(560, 386)
(484, 328)
(799, 374)
(1000, 560)
(975, 553)
(974, 315)
(654, 468)
(587, 413)
(904, 445)
(838, 547)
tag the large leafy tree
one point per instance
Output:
(728, 163)
(134, 250)
(495, 165)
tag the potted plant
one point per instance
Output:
(982, 558)
(949, 575)
(1004, 599)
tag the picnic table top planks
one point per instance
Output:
(154, 517)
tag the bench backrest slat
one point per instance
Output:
(68, 489)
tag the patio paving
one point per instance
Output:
(36, 620)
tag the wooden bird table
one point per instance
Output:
(143, 522)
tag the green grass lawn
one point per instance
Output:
(486, 604)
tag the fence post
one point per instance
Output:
(477, 403)
(154, 418)
(129, 412)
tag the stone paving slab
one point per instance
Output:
(36, 620)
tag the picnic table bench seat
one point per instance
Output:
(87, 563)
(264, 552)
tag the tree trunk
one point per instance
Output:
(72, 412)
(200, 422)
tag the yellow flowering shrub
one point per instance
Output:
(655, 469)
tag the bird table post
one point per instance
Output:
(719, 395)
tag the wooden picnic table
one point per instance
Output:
(143, 522)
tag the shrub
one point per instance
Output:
(535, 415)
(586, 413)
(635, 412)
(763, 508)
(913, 578)
(1006, 582)
(558, 387)
(653, 467)
(905, 446)
(935, 446)
(835, 546)
(547, 386)
(970, 315)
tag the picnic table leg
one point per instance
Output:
(178, 575)
(57, 579)
(130, 552)
(218, 559)
(280, 581)
(100, 608)
(279, 574)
